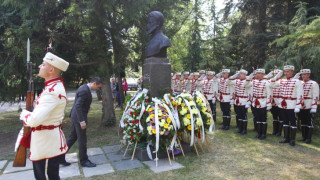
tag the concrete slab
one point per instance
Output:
(72, 157)
(2, 163)
(69, 171)
(99, 170)
(10, 169)
(163, 165)
(127, 164)
(111, 149)
(117, 157)
(94, 151)
(98, 159)
(25, 175)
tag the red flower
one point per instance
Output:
(127, 122)
(131, 113)
(138, 133)
(137, 121)
(131, 137)
(132, 121)
(178, 107)
(146, 100)
(144, 111)
(135, 113)
(131, 131)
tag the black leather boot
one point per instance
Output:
(286, 134)
(244, 126)
(240, 126)
(303, 132)
(259, 130)
(255, 124)
(223, 123)
(263, 131)
(227, 123)
(293, 135)
(280, 125)
(237, 122)
(275, 127)
(309, 135)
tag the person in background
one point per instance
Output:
(118, 93)
(114, 91)
(139, 83)
(124, 86)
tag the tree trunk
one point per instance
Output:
(108, 117)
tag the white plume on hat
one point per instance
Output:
(178, 73)
(186, 73)
(305, 71)
(196, 74)
(261, 71)
(202, 71)
(56, 61)
(288, 67)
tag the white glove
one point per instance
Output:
(218, 75)
(268, 108)
(23, 114)
(297, 76)
(231, 102)
(213, 101)
(269, 75)
(296, 110)
(250, 77)
(234, 76)
(174, 77)
(313, 110)
(247, 106)
(277, 76)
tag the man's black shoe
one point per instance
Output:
(65, 163)
(88, 164)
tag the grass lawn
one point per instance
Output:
(232, 156)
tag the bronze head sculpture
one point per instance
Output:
(157, 46)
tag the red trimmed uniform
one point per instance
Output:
(310, 101)
(261, 99)
(210, 90)
(225, 97)
(47, 138)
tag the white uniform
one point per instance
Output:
(210, 89)
(310, 95)
(47, 139)
(242, 92)
(185, 85)
(224, 88)
(261, 96)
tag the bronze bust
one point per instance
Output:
(157, 46)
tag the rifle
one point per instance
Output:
(21, 154)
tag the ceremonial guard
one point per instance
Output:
(261, 101)
(47, 139)
(291, 93)
(275, 111)
(185, 87)
(224, 98)
(309, 105)
(177, 83)
(210, 90)
(242, 87)
(194, 82)
(202, 74)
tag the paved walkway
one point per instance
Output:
(107, 158)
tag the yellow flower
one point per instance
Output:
(150, 109)
(160, 117)
(199, 122)
(183, 104)
(173, 103)
(165, 126)
(149, 128)
(189, 127)
(187, 108)
(188, 116)
(168, 120)
(183, 111)
(154, 131)
(194, 111)
(151, 116)
(186, 121)
(170, 127)
(191, 103)
(148, 119)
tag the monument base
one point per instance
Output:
(157, 76)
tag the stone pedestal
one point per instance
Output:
(157, 75)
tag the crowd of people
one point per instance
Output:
(286, 98)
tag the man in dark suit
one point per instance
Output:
(79, 120)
